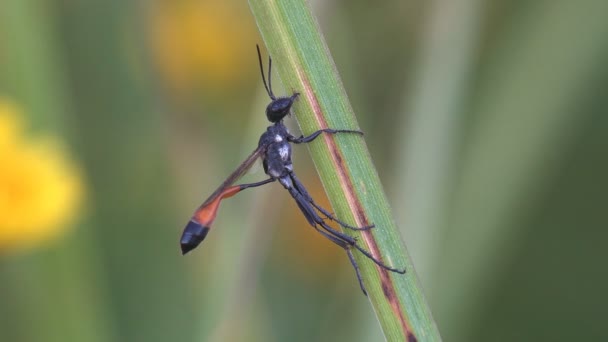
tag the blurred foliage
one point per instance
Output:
(486, 120)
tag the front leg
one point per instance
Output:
(302, 139)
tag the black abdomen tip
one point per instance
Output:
(193, 235)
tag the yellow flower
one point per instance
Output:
(39, 189)
(203, 42)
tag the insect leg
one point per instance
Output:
(353, 243)
(356, 267)
(346, 242)
(253, 185)
(314, 219)
(302, 139)
(300, 187)
(338, 221)
(346, 246)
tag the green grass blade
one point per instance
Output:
(352, 184)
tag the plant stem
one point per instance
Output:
(304, 64)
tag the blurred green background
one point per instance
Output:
(486, 120)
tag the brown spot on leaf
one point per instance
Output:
(387, 291)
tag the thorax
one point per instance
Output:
(277, 151)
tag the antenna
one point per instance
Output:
(270, 77)
(268, 90)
